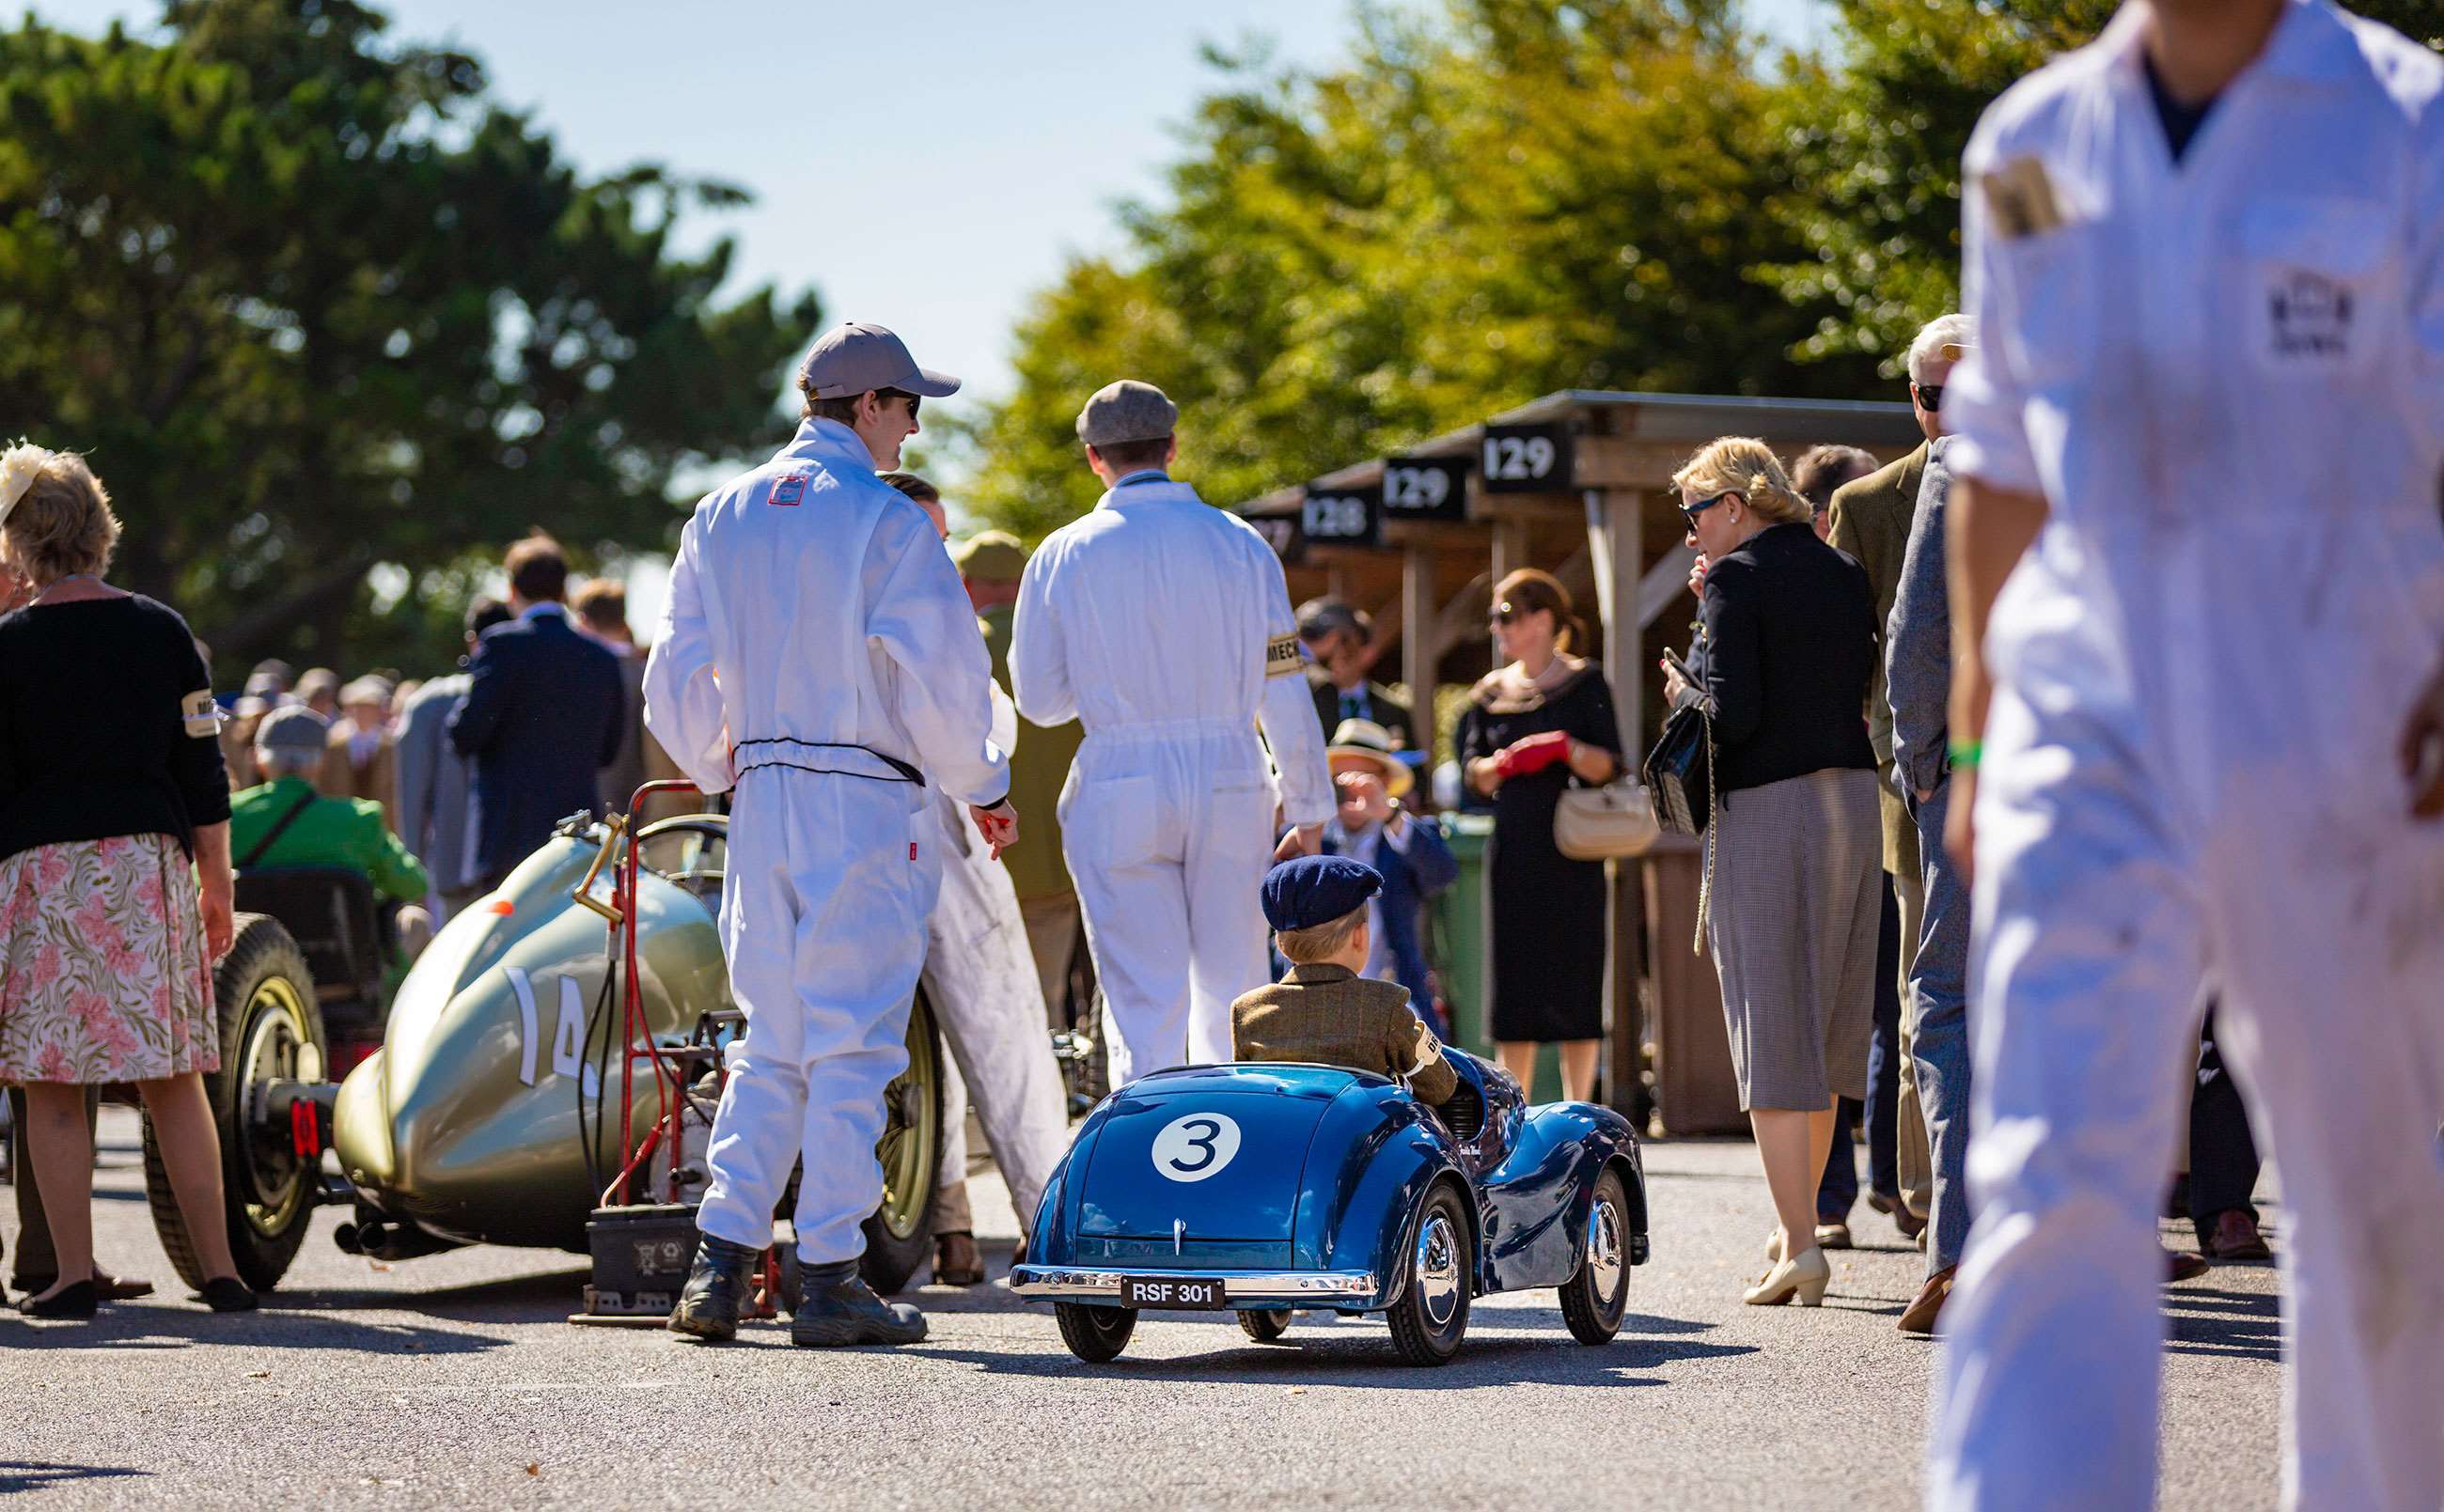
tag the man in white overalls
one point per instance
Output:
(819, 654)
(2202, 439)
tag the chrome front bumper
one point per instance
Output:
(1079, 1284)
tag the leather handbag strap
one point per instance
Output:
(271, 836)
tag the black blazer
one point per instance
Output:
(1785, 646)
(1389, 711)
(544, 714)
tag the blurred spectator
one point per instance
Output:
(1369, 824)
(269, 681)
(1785, 642)
(361, 760)
(1822, 471)
(544, 714)
(602, 607)
(437, 785)
(319, 690)
(113, 869)
(1341, 641)
(990, 564)
(1531, 729)
(287, 822)
(2218, 1193)
(238, 741)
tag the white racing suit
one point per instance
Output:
(981, 978)
(1164, 626)
(819, 651)
(2227, 378)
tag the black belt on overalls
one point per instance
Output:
(907, 773)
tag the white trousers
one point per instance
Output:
(1168, 830)
(987, 997)
(823, 919)
(2106, 898)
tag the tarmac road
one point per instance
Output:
(453, 1380)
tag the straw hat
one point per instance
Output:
(1363, 744)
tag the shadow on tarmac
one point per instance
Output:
(2223, 1324)
(313, 1319)
(32, 1475)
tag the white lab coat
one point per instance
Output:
(1149, 621)
(815, 633)
(2228, 379)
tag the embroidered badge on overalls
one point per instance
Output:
(790, 490)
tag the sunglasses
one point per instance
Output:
(1691, 511)
(1506, 612)
(1930, 395)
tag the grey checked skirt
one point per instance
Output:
(1797, 867)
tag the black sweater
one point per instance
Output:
(106, 726)
(1786, 645)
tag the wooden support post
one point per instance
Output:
(1614, 544)
(1418, 651)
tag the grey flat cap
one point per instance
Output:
(857, 358)
(1127, 411)
(293, 729)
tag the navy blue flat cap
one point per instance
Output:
(1312, 890)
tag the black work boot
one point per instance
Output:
(838, 1308)
(716, 1287)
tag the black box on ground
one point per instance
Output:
(641, 1255)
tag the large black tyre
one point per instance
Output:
(1593, 1299)
(271, 1028)
(899, 1236)
(1095, 1335)
(1266, 1325)
(1430, 1317)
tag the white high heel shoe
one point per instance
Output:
(1804, 1278)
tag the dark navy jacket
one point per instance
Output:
(1408, 881)
(545, 711)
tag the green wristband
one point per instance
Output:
(1965, 754)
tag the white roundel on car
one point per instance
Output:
(1194, 1146)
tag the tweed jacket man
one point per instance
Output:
(1328, 1015)
(1871, 520)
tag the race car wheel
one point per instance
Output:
(1431, 1313)
(271, 1029)
(1264, 1325)
(899, 1236)
(1593, 1299)
(1095, 1334)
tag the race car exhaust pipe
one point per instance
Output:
(379, 1238)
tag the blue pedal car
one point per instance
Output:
(1266, 1187)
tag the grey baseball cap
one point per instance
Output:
(293, 729)
(1127, 411)
(857, 358)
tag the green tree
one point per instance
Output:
(313, 304)
(1487, 204)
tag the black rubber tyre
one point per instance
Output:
(1095, 1335)
(899, 1236)
(268, 1017)
(1430, 1318)
(1595, 1297)
(1264, 1325)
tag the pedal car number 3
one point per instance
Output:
(1194, 1146)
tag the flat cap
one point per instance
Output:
(366, 690)
(990, 555)
(1319, 618)
(1312, 890)
(295, 727)
(1127, 411)
(858, 359)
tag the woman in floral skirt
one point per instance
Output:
(114, 868)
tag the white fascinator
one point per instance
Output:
(19, 466)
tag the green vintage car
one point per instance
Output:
(490, 1115)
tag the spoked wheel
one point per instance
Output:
(1095, 1334)
(898, 1237)
(1264, 1325)
(1431, 1316)
(271, 1030)
(1593, 1299)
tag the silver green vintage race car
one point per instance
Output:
(490, 1112)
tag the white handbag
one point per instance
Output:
(1608, 823)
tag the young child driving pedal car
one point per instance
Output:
(1323, 1011)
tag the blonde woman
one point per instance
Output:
(112, 801)
(1786, 644)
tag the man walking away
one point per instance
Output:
(544, 713)
(1164, 626)
(818, 661)
(437, 785)
(602, 607)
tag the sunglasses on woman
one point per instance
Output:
(1691, 511)
(1506, 612)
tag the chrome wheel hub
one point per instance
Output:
(1434, 1270)
(1604, 1252)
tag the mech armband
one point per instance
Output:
(1282, 656)
(201, 715)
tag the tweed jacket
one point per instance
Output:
(377, 780)
(1329, 1015)
(1918, 642)
(1871, 520)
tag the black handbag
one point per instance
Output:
(1679, 771)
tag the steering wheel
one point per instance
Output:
(709, 830)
